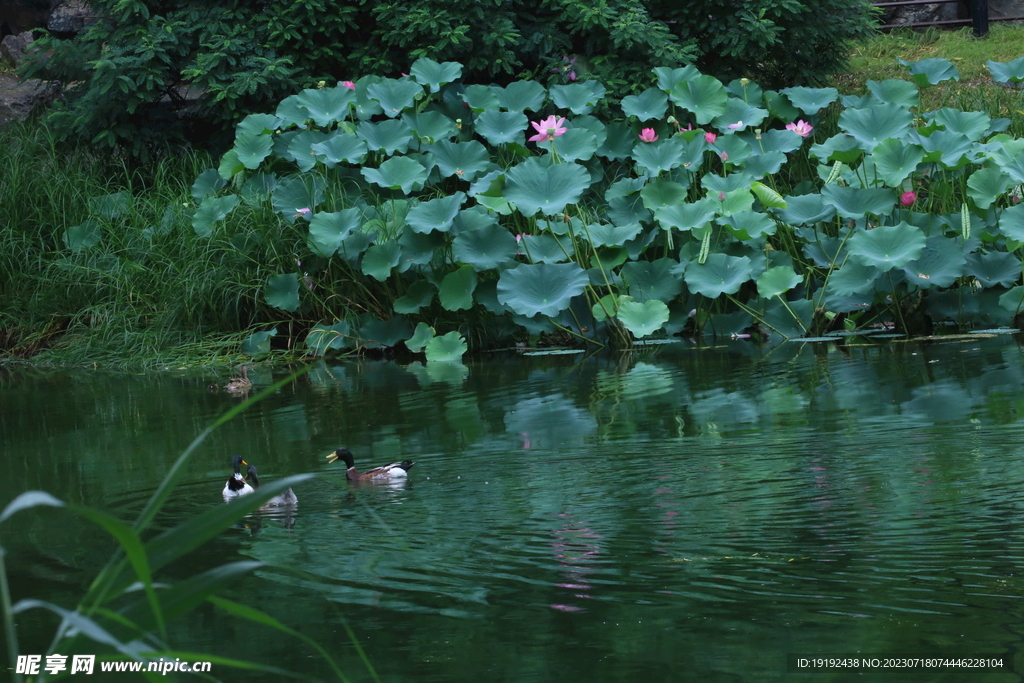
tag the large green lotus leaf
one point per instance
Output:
(932, 71)
(546, 248)
(973, 124)
(811, 100)
(687, 216)
(945, 147)
(535, 185)
(1007, 72)
(791, 319)
(619, 142)
(888, 246)
(719, 274)
(88, 234)
(502, 127)
(775, 140)
(328, 230)
(642, 319)
(704, 96)
(626, 210)
(433, 74)
(341, 147)
(290, 113)
(466, 160)
(385, 333)
(327, 106)
(852, 279)
(769, 198)
(258, 343)
(1012, 300)
(996, 268)
(734, 147)
(300, 148)
(776, 281)
(436, 214)
(658, 280)
(656, 157)
(448, 348)
(735, 201)
(283, 291)
(456, 290)
(212, 210)
(430, 126)
(380, 259)
(895, 160)
(543, 288)
(939, 265)
(397, 173)
(576, 144)
(253, 148)
(768, 163)
(747, 225)
(208, 182)
(419, 294)
(423, 334)
(473, 218)
(1011, 222)
(650, 104)
(519, 96)
(579, 98)
(874, 124)
(713, 183)
(230, 166)
(839, 147)
(855, 202)
(419, 249)
(257, 124)
(896, 91)
(485, 248)
(607, 235)
(745, 90)
(367, 108)
(297, 192)
(806, 209)
(257, 188)
(661, 194)
(986, 185)
(779, 107)
(608, 259)
(390, 136)
(395, 96)
(323, 337)
(739, 112)
(480, 98)
(592, 124)
(669, 78)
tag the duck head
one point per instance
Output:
(253, 476)
(237, 462)
(343, 454)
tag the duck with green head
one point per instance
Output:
(396, 470)
(236, 485)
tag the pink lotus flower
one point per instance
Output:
(301, 212)
(735, 126)
(648, 135)
(908, 198)
(710, 138)
(348, 84)
(548, 129)
(725, 156)
(721, 196)
(801, 128)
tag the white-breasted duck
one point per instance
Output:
(396, 470)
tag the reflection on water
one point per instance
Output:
(668, 512)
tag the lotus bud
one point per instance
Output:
(744, 82)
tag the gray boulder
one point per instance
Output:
(71, 16)
(916, 14)
(18, 99)
(12, 48)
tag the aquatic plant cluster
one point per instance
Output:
(425, 193)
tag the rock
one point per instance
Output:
(71, 16)
(17, 100)
(12, 48)
(916, 14)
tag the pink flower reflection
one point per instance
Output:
(575, 552)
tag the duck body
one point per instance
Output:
(286, 498)
(236, 486)
(396, 470)
(239, 385)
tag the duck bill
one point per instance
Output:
(331, 457)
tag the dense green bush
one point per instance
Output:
(126, 75)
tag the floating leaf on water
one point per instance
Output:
(995, 330)
(642, 318)
(554, 352)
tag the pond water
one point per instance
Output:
(674, 513)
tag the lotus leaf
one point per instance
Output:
(619, 142)
(739, 112)
(300, 148)
(719, 274)
(853, 278)
(473, 218)
(519, 96)
(257, 188)
(656, 157)
(433, 74)
(419, 249)
(544, 288)
(650, 104)
(745, 90)
(430, 126)
(946, 147)
(436, 214)
(283, 291)
(323, 337)
(481, 98)
(687, 216)
(1007, 72)
(89, 234)
(257, 124)
(608, 258)
(485, 248)
(780, 107)
(534, 185)
(253, 148)
(579, 98)
(448, 348)
(896, 160)
(606, 235)
(811, 100)
(658, 280)
(208, 182)
(660, 194)
(391, 136)
(973, 124)
(627, 210)
(735, 201)
(775, 140)
(769, 198)
(768, 163)
(380, 259)
(1011, 222)
(212, 210)
(746, 225)
(290, 113)
(546, 248)
(713, 184)
(734, 147)
(341, 147)
(642, 319)
(327, 106)
(985, 185)
(577, 144)
(395, 96)
(230, 165)
(419, 294)
(777, 281)
(839, 147)
(928, 72)
(790, 319)
(258, 343)
(501, 127)
(888, 246)
(853, 202)
(456, 291)
(704, 96)
(896, 91)
(872, 125)
(297, 192)
(806, 209)
(397, 173)
(385, 333)
(328, 230)
(941, 263)
(995, 268)
(423, 334)
(669, 78)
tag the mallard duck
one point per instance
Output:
(395, 470)
(239, 385)
(286, 498)
(236, 485)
